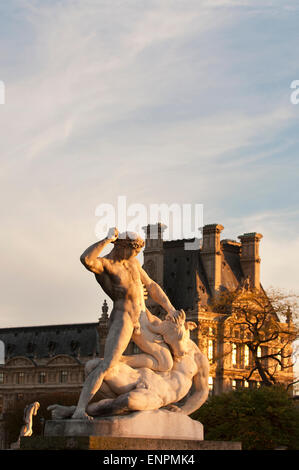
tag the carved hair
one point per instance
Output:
(130, 239)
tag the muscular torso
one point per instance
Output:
(121, 281)
(169, 386)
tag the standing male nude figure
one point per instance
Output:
(121, 276)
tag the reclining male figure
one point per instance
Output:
(143, 389)
(121, 276)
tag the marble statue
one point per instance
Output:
(30, 411)
(26, 430)
(141, 388)
(121, 276)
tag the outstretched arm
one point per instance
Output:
(201, 386)
(156, 293)
(90, 258)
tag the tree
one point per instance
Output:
(267, 324)
(262, 419)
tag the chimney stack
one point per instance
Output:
(250, 260)
(211, 255)
(153, 262)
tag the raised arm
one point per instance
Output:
(156, 293)
(90, 258)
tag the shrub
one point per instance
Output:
(262, 419)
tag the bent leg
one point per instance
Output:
(158, 356)
(108, 407)
(144, 400)
(61, 412)
(118, 338)
(136, 400)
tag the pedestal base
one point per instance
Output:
(121, 443)
(143, 430)
(158, 424)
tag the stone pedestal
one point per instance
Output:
(158, 424)
(121, 444)
(142, 430)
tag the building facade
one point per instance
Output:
(192, 275)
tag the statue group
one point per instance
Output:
(170, 366)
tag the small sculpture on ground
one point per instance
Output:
(26, 430)
(30, 411)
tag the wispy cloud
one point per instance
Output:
(161, 101)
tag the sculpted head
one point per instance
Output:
(128, 245)
(176, 333)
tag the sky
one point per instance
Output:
(162, 101)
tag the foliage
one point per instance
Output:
(262, 419)
(268, 322)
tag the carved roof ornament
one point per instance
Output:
(246, 284)
(105, 309)
(289, 315)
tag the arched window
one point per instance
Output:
(259, 351)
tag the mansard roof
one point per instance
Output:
(80, 339)
(184, 276)
(185, 280)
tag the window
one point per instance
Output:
(1, 378)
(279, 364)
(63, 376)
(246, 356)
(234, 354)
(246, 384)
(210, 349)
(234, 384)
(259, 351)
(42, 377)
(211, 385)
(20, 378)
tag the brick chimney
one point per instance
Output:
(250, 260)
(153, 254)
(103, 327)
(211, 255)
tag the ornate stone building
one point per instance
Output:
(45, 359)
(192, 278)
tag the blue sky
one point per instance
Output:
(161, 101)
